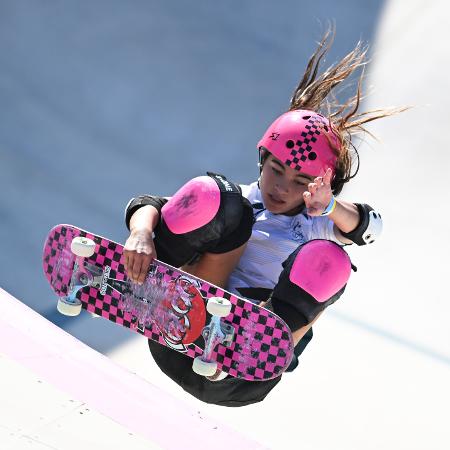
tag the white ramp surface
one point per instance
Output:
(58, 393)
(36, 415)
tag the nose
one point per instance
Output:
(282, 186)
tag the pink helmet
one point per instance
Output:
(303, 140)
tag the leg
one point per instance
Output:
(314, 277)
(208, 214)
(227, 392)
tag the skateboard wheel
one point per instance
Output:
(82, 246)
(205, 368)
(218, 306)
(68, 308)
(218, 376)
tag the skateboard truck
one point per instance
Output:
(216, 332)
(82, 248)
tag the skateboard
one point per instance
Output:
(219, 330)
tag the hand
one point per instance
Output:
(318, 195)
(139, 251)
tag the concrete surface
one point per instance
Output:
(52, 379)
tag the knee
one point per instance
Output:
(314, 276)
(201, 205)
(207, 214)
(321, 268)
(193, 206)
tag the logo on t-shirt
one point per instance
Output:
(296, 231)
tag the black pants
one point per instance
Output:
(227, 392)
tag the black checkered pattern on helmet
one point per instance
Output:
(303, 148)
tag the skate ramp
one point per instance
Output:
(59, 393)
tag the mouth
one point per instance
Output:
(276, 200)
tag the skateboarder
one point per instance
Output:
(274, 240)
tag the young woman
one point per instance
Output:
(278, 241)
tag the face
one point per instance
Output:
(282, 187)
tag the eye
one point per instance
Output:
(275, 170)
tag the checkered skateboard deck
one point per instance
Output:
(169, 308)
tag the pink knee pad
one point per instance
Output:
(321, 268)
(193, 206)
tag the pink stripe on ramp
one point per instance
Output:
(90, 377)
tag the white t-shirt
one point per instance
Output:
(274, 238)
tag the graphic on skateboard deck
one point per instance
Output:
(216, 328)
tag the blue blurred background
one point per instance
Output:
(104, 100)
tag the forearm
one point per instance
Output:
(345, 216)
(144, 219)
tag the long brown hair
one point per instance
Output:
(315, 92)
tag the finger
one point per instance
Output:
(312, 187)
(128, 263)
(307, 198)
(129, 266)
(327, 177)
(128, 258)
(136, 269)
(125, 260)
(144, 269)
(318, 181)
(142, 277)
